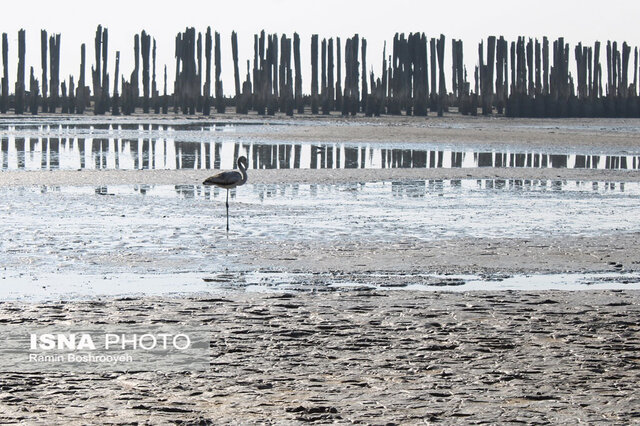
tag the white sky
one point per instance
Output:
(377, 21)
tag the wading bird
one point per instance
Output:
(229, 180)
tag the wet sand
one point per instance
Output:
(398, 356)
(357, 357)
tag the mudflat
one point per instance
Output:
(372, 356)
(349, 357)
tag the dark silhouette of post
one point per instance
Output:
(220, 105)
(20, 87)
(314, 74)
(44, 40)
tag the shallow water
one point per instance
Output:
(213, 146)
(86, 241)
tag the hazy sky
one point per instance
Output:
(377, 21)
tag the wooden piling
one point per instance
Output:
(81, 91)
(442, 92)
(298, 78)
(324, 101)
(338, 104)
(364, 88)
(236, 69)
(314, 74)
(208, 47)
(4, 102)
(145, 41)
(220, 104)
(44, 40)
(20, 86)
(115, 103)
(330, 77)
(33, 93)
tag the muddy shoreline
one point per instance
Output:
(392, 357)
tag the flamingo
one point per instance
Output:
(229, 180)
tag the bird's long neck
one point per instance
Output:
(243, 171)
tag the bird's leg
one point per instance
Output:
(227, 210)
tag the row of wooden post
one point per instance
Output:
(526, 78)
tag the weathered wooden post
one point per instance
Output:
(433, 97)
(71, 99)
(165, 96)
(442, 106)
(96, 73)
(314, 74)
(105, 74)
(421, 72)
(282, 74)
(208, 46)
(155, 95)
(501, 70)
(236, 69)
(330, 79)
(323, 80)
(44, 40)
(198, 82)
(54, 68)
(145, 41)
(220, 104)
(4, 103)
(81, 90)
(354, 97)
(273, 61)
(365, 90)
(133, 80)
(65, 103)
(384, 83)
(115, 104)
(339, 75)
(298, 78)
(33, 93)
(20, 88)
